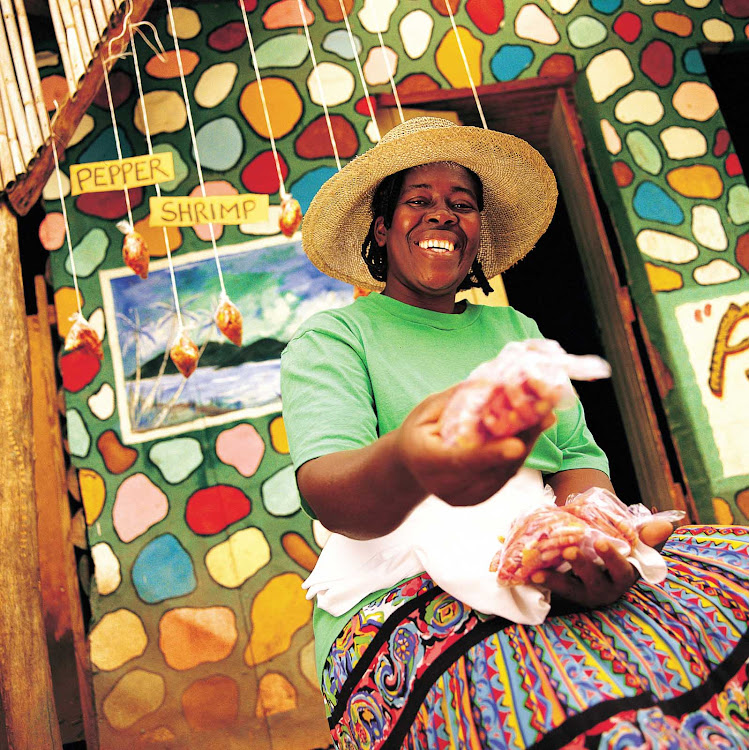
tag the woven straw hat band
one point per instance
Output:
(519, 195)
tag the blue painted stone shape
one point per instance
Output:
(510, 61)
(163, 570)
(79, 441)
(220, 144)
(306, 187)
(177, 458)
(104, 147)
(338, 43)
(606, 6)
(652, 203)
(693, 62)
(181, 169)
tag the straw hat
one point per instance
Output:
(520, 194)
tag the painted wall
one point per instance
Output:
(200, 634)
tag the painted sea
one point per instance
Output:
(275, 288)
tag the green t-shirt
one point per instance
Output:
(353, 374)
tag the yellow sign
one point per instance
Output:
(99, 176)
(215, 209)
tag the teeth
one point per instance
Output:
(437, 245)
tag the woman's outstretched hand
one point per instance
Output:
(592, 585)
(460, 475)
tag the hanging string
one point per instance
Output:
(465, 62)
(390, 75)
(65, 222)
(264, 103)
(359, 68)
(319, 84)
(149, 143)
(194, 139)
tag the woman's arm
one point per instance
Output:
(367, 492)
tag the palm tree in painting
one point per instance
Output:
(136, 333)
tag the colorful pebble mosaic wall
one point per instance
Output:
(200, 634)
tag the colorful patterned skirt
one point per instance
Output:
(664, 667)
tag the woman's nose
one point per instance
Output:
(441, 214)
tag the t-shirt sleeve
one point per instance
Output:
(569, 444)
(326, 394)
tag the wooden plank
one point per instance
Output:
(27, 189)
(614, 312)
(63, 616)
(25, 681)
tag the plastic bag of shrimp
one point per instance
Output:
(548, 537)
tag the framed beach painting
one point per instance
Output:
(274, 286)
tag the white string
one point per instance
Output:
(319, 84)
(359, 68)
(390, 75)
(67, 227)
(117, 144)
(282, 188)
(144, 112)
(465, 62)
(193, 138)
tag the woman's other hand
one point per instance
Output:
(592, 585)
(461, 475)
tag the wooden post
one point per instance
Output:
(25, 680)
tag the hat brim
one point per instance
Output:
(520, 195)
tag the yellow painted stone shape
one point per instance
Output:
(93, 493)
(696, 181)
(232, 562)
(116, 639)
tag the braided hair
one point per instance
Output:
(384, 203)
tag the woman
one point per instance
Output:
(617, 663)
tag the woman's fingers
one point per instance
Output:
(655, 533)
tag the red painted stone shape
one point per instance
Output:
(722, 142)
(110, 204)
(628, 26)
(78, 369)
(486, 14)
(362, 108)
(736, 8)
(622, 173)
(213, 509)
(415, 83)
(121, 86)
(657, 62)
(314, 142)
(228, 37)
(742, 251)
(439, 6)
(733, 166)
(261, 176)
(557, 65)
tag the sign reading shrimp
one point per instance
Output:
(213, 209)
(135, 171)
(716, 334)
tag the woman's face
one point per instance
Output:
(434, 236)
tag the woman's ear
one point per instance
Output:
(380, 231)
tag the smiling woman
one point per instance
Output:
(405, 662)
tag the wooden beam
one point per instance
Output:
(63, 616)
(25, 681)
(27, 189)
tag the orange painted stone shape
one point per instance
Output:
(673, 23)
(212, 509)
(622, 173)
(54, 89)
(67, 301)
(275, 695)
(189, 636)
(118, 458)
(697, 181)
(332, 9)
(742, 501)
(298, 549)
(154, 237)
(416, 83)
(285, 14)
(284, 106)
(211, 703)
(439, 6)
(52, 231)
(314, 141)
(169, 67)
(742, 251)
